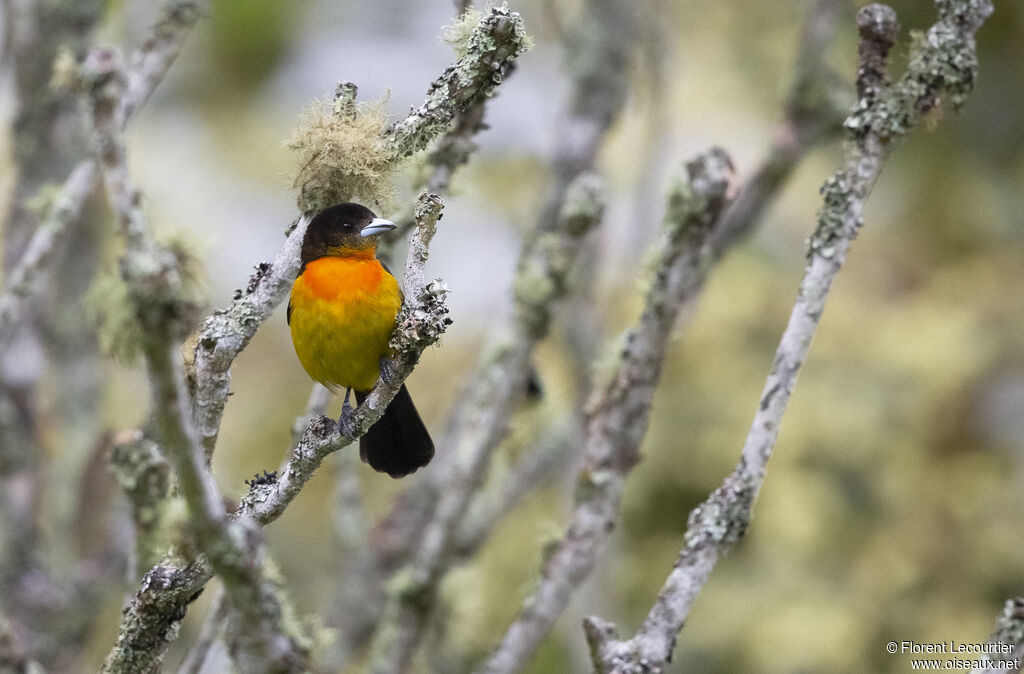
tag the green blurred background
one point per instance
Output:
(893, 508)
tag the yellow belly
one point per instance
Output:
(342, 313)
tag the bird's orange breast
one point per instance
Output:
(342, 312)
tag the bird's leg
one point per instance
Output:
(345, 420)
(388, 371)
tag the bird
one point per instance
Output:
(341, 313)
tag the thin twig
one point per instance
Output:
(544, 462)
(945, 61)
(818, 102)
(210, 631)
(23, 278)
(148, 65)
(1005, 648)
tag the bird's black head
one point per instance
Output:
(344, 229)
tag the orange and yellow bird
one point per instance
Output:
(341, 313)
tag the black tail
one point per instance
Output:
(398, 443)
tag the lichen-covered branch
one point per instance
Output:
(616, 415)
(552, 448)
(1006, 646)
(51, 145)
(148, 65)
(21, 281)
(818, 102)
(421, 321)
(145, 476)
(541, 279)
(153, 617)
(945, 61)
(599, 58)
(223, 336)
(494, 44)
(160, 306)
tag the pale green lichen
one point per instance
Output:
(697, 192)
(583, 206)
(117, 308)
(64, 76)
(146, 477)
(723, 518)
(109, 309)
(837, 193)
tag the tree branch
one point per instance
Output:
(945, 62)
(236, 552)
(22, 280)
(616, 416)
(496, 42)
(147, 68)
(1006, 646)
(599, 60)
(223, 336)
(540, 281)
(148, 65)
(144, 474)
(818, 102)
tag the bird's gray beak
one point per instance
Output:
(377, 226)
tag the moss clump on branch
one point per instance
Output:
(342, 156)
(116, 316)
(349, 153)
(458, 35)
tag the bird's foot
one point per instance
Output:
(389, 372)
(346, 426)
